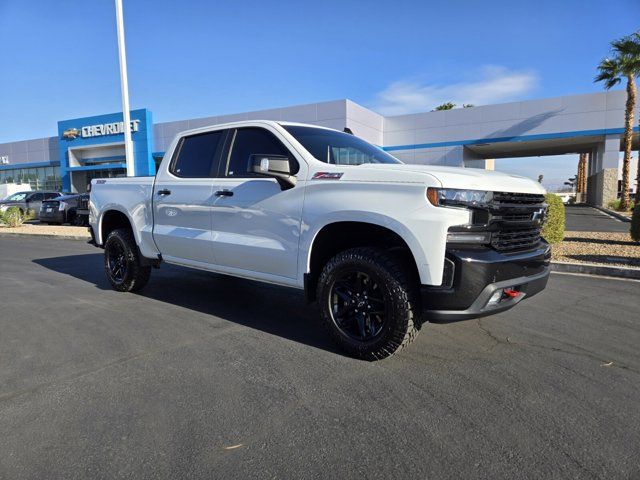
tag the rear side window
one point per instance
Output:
(255, 141)
(36, 197)
(197, 155)
(48, 196)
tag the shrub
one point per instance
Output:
(615, 205)
(12, 217)
(30, 214)
(553, 229)
(635, 224)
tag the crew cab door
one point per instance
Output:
(183, 198)
(256, 223)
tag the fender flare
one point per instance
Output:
(309, 237)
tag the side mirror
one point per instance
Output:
(276, 166)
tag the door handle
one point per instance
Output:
(224, 193)
(164, 192)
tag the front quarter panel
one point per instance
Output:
(400, 207)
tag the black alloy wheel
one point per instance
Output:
(116, 261)
(122, 262)
(368, 302)
(358, 306)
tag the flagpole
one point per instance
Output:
(124, 86)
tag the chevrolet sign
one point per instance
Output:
(89, 131)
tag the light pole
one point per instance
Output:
(124, 86)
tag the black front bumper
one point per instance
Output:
(477, 274)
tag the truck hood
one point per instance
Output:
(452, 177)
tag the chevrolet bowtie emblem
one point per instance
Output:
(71, 133)
(538, 216)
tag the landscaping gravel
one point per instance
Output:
(42, 229)
(605, 248)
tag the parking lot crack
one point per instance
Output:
(497, 340)
(581, 353)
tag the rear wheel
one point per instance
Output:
(368, 303)
(122, 262)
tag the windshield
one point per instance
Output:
(338, 148)
(16, 197)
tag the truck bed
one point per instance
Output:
(131, 196)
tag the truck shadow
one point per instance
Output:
(272, 309)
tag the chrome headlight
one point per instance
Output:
(453, 197)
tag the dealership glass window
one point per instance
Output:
(40, 178)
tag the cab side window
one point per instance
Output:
(254, 141)
(35, 197)
(197, 156)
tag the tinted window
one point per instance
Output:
(255, 141)
(339, 148)
(36, 197)
(47, 196)
(196, 154)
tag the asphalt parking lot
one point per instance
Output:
(204, 376)
(582, 218)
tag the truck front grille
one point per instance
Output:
(515, 240)
(518, 198)
(516, 219)
(513, 219)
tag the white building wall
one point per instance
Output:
(31, 151)
(331, 114)
(441, 130)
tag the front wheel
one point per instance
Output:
(368, 303)
(122, 262)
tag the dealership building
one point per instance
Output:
(93, 147)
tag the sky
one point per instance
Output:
(190, 59)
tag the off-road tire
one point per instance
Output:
(399, 287)
(136, 275)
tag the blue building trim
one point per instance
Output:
(13, 166)
(517, 138)
(120, 158)
(102, 166)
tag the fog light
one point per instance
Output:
(503, 294)
(495, 298)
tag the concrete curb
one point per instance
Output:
(593, 269)
(41, 235)
(614, 214)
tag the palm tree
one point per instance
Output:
(444, 106)
(630, 48)
(611, 71)
(581, 186)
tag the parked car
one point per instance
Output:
(27, 200)
(381, 246)
(7, 189)
(64, 209)
(566, 197)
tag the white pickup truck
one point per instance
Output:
(381, 246)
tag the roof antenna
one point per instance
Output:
(347, 130)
